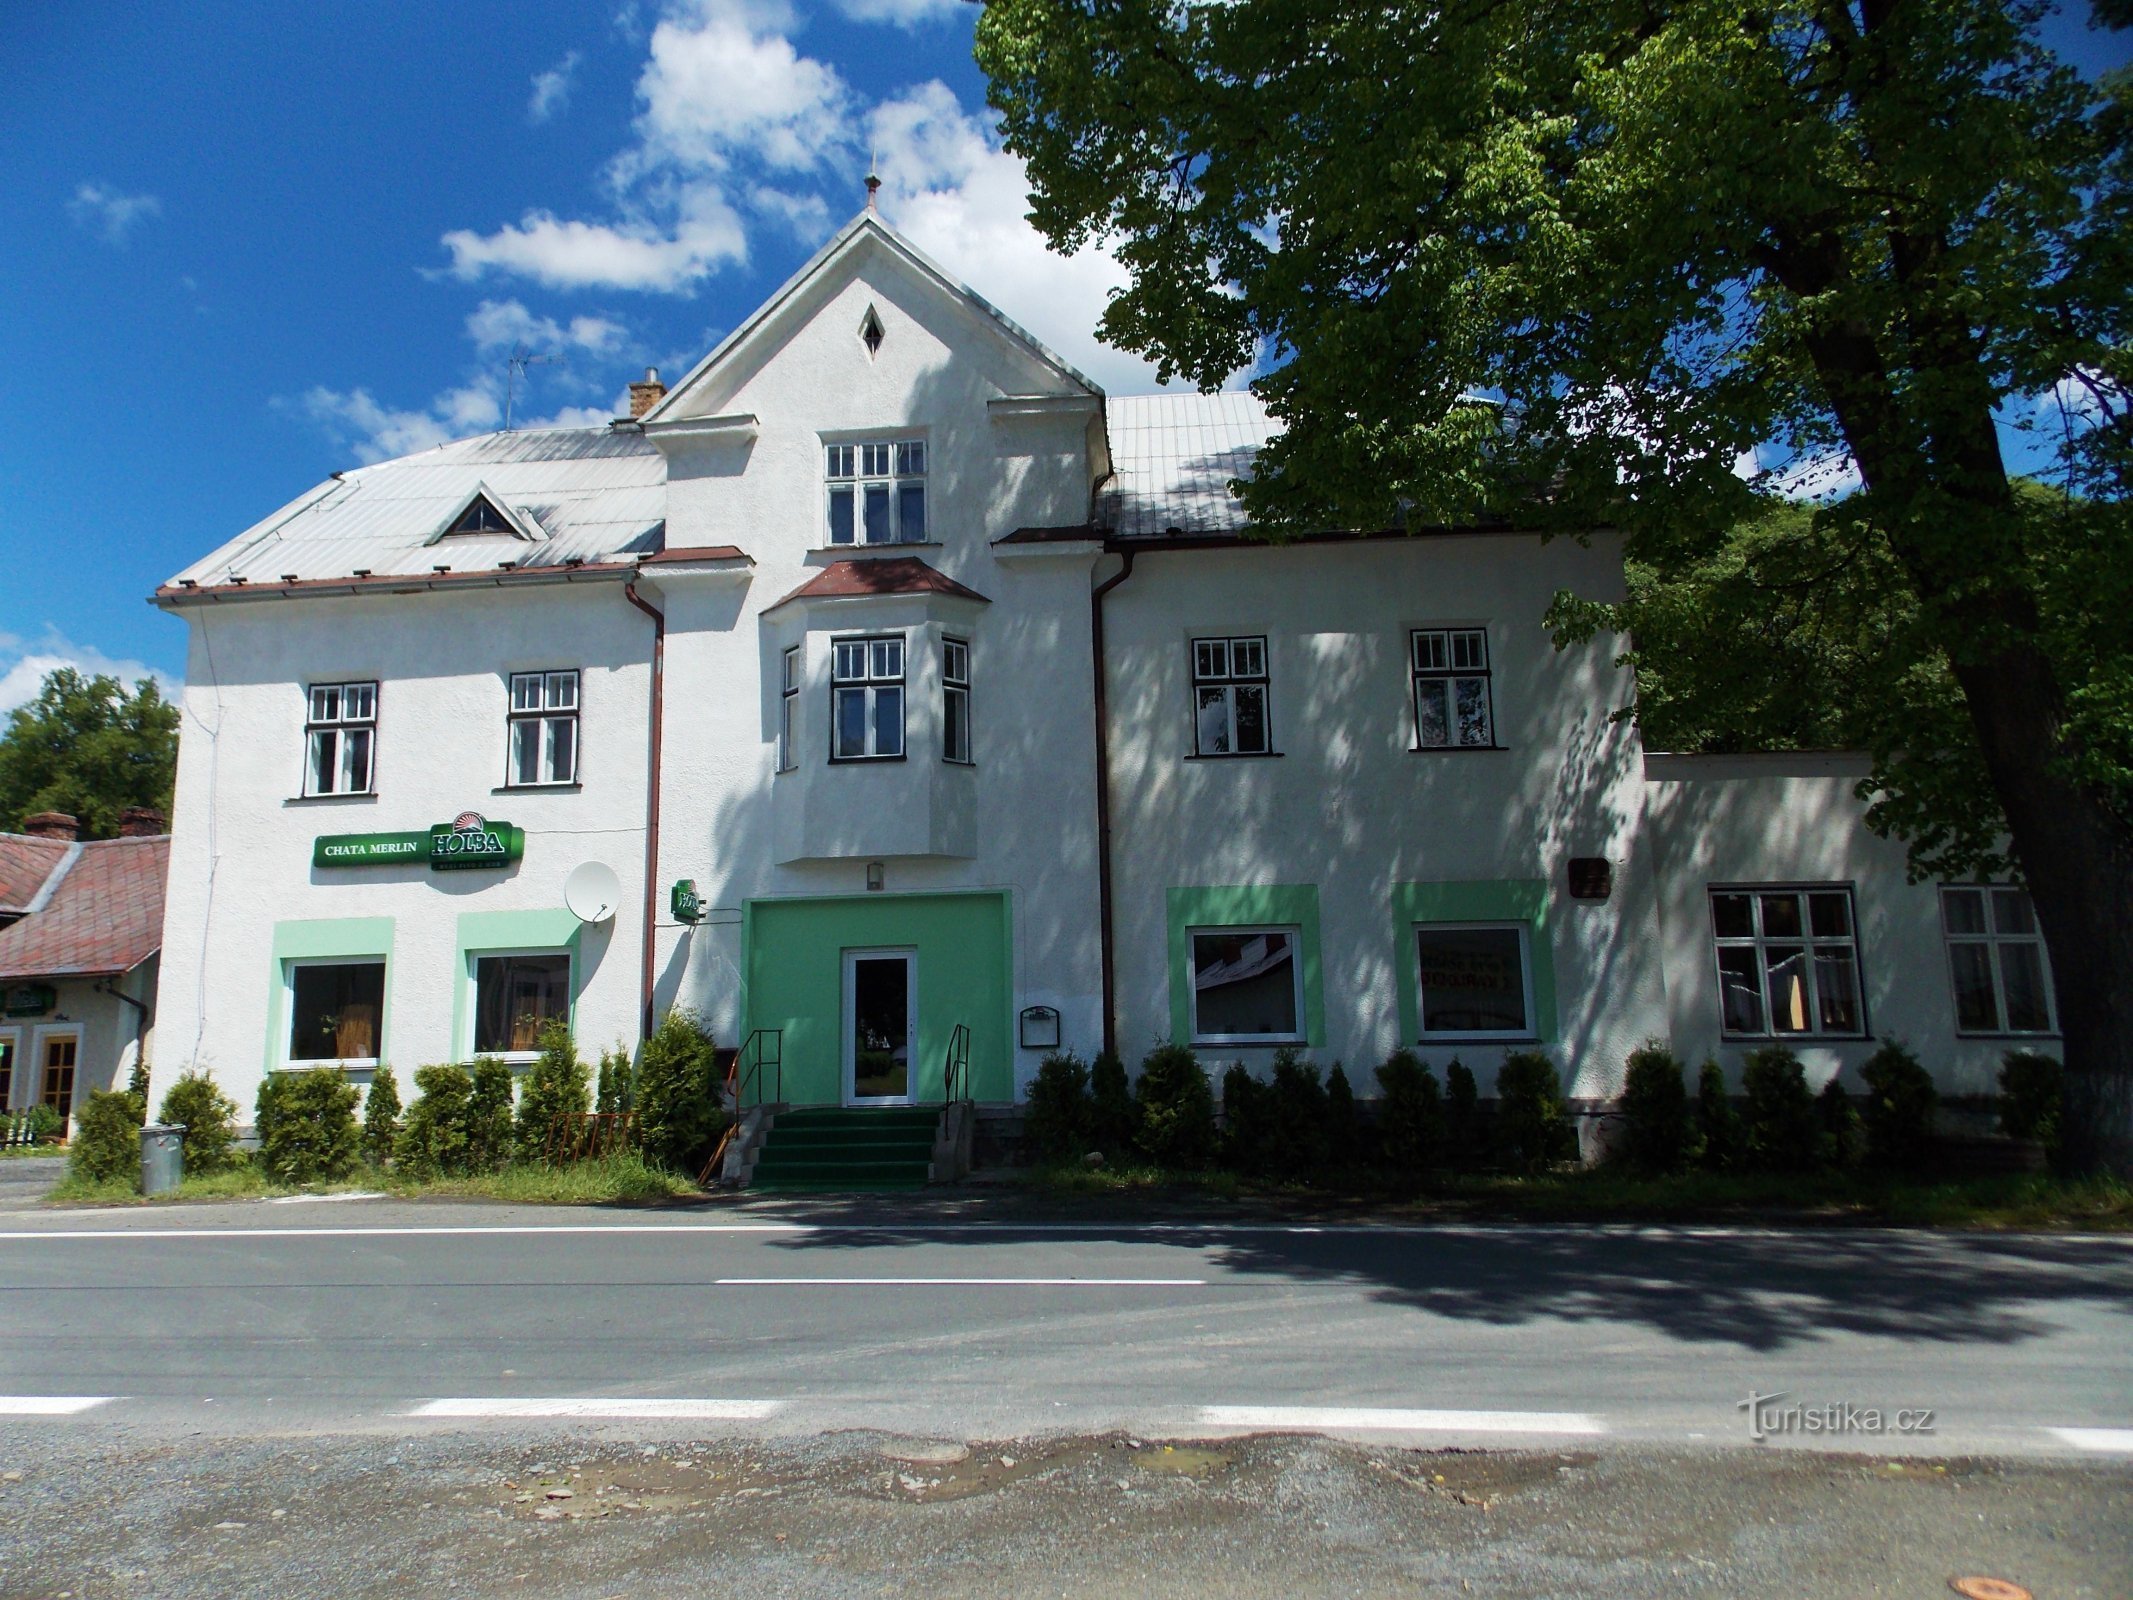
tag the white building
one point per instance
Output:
(819, 633)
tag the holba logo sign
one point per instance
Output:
(468, 840)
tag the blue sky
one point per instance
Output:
(243, 245)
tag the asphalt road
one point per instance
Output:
(373, 1316)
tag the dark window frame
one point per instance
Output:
(1229, 680)
(540, 715)
(896, 466)
(1993, 941)
(1444, 667)
(1811, 945)
(788, 755)
(870, 684)
(338, 725)
(956, 686)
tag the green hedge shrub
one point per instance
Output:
(1781, 1132)
(1300, 1116)
(1411, 1119)
(1899, 1108)
(1843, 1142)
(2032, 1089)
(679, 1117)
(490, 1131)
(1344, 1125)
(1718, 1129)
(137, 1088)
(1114, 1120)
(381, 1116)
(433, 1139)
(210, 1119)
(616, 1093)
(307, 1126)
(1466, 1134)
(1533, 1131)
(1251, 1136)
(47, 1126)
(1656, 1133)
(559, 1086)
(107, 1139)
(1177, 1109)
(1056, 1126)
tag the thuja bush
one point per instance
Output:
(1466, 1135)
(1056, 1126)
(307, 1126)
(1718, 1131)
(1251, 1136)
(1114, 1121)
(1780, 1131)
(1410, 1114)
(559, 1086)
(678, 1115)
(616, 1093)
(137, 1088)
(1656, 1133)
(489, 1124)
(2031, 1087)
(1532, 1130)
(381, 1116)
(107, 1138)
(1344, 1125)
(1843, 1133)
(1899, 1108)
(433, 1140)
(1299, 1102)
(1177, 1108)
(210, 1120)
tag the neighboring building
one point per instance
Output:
(781, 701)
(80, 926)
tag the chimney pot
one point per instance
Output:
(646, 393)
(141, 822)
(52, 825)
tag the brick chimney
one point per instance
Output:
(142, 822)
(647, 394)
(52, 825)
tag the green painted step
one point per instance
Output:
(828, 1148)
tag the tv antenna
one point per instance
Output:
(520, 359)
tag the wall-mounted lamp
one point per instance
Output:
(874, 875)
(1040, 1028)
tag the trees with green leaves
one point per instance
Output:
(1566, 263)
(90, 747)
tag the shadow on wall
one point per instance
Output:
(1757, 1292)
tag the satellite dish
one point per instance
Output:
(592, 891)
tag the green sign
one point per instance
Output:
(469, 840)
(30, 999)
(688, 905)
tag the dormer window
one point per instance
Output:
(481, 516)
(877, 492)
(871, 332)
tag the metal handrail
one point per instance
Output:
(955, 1072)
(761, 1059)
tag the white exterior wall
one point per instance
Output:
(110, 1034)
(242, 835)
(1794, 819)
(1351, 807)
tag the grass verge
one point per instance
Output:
(2026, 1201)
(625, 1179)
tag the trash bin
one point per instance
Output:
(162, 1157)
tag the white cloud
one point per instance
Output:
(376, 432)
(551, 89)
(100, 207)
(24, 663)
(502, 324)
(901, 13)
(724, 83)
(637, 254)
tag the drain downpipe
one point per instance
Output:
(1105, 939)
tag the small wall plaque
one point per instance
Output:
(1040, 1028)
(1591, 877)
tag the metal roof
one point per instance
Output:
(595, 493)
(1174, 455)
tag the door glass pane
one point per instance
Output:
(2022, 977)
(1433, 720)
(1964, 909)
(1732, 917)
(1213, 721)
(1781, 916)
(1473, 980)
(1244, 985)
(1837, 990)
(1976, 1011)
(1830, 915)
(881, 1027)
(1251, 719)
(1790, 1011)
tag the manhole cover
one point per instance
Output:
(926, 1452)
(1988, 1589)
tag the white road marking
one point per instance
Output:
(2116, 1440)
(1390, 1420)
(960, 1283)
(51, 1405)
(325, 1199)
(595, 1406)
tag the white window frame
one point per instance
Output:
(474, 960)
(78, 1088)
(1993, 942)
(1450, 655)
(868, 682)
(789, 709)
(1214, 659)
(330, 722)
(290, 1062)
(1294, 932)
(1807, 940)
(1423, 1035)
(955, 687)
(556, 697)
(858, 469)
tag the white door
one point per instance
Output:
(880, 1026)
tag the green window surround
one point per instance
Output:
(1287, 905)
(481, 931)
(325, 939)
(1522, 900)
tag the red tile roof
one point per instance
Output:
(25, 864)
(691, 553)
(105, 917)
(878, 575)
